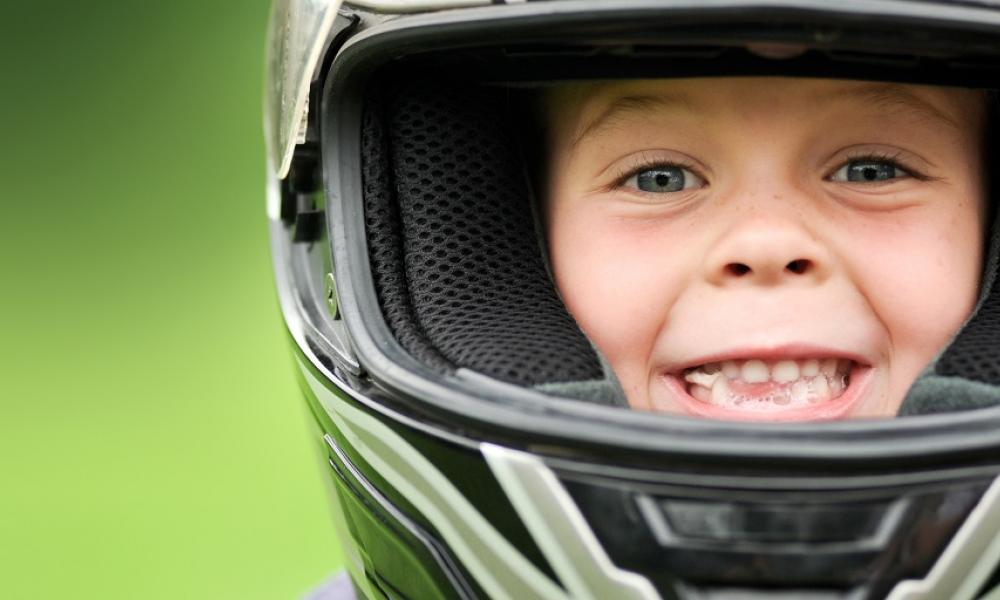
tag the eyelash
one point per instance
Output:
(892, 159)
(642, 164)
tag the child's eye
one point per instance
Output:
(664, 179)
(868, 170)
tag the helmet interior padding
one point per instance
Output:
(454, 245)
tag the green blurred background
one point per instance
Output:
(152, 439)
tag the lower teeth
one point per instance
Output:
(804, 392)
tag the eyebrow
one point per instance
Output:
(892, 98)
(626, 106)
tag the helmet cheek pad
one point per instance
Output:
(456, 251)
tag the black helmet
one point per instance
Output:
(478, 444)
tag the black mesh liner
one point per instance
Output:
(452, 239)
(385, 242)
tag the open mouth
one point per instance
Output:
(818, 388)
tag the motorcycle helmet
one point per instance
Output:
(477, 444)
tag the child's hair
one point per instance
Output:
(527, 108)
(991, 145)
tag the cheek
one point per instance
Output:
(617, 277)
(920, 273)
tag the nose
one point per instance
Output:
(766, 251)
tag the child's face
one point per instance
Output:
(766, 249)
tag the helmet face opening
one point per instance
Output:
(460, 401)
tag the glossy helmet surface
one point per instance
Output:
(477, 444)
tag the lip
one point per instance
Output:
(774, 353)
(839, 408)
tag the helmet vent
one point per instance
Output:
(452, 237)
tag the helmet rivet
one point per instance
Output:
(331, 296)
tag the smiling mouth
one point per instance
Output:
(769, 386)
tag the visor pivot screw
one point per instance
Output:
(826, 36)
(331, 296)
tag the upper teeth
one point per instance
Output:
(759, 371)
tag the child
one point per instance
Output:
(766, 249)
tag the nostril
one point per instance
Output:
(798, 266)
(737, 269)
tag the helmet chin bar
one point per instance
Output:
(599, 532)
(452, 481)
(702, 548)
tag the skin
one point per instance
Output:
(768, 252)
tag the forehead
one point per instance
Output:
(585, 110)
